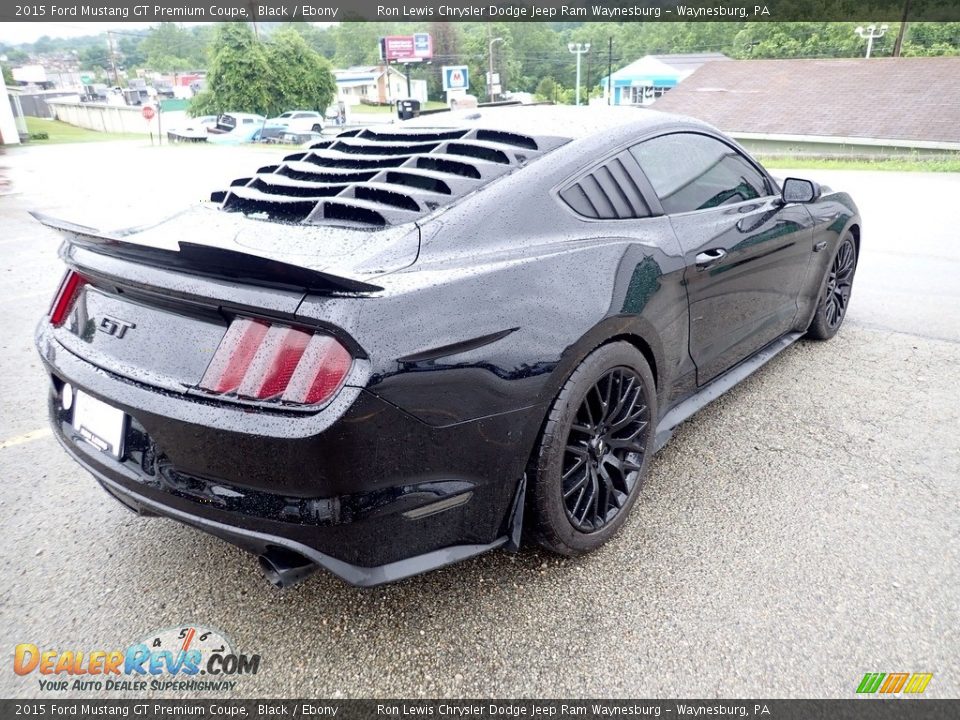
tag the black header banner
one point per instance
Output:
(146, 709)
(476, 10)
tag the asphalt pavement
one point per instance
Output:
(799, 532)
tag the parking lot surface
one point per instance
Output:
(800, 531)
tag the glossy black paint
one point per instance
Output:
(464, 325)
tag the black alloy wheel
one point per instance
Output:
(838, 286)
(594, 449)
(604, 451)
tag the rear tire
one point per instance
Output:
(317, 129)
(594, 451)
(837, 289)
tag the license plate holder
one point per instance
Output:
(99, 424)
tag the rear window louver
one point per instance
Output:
(608, 192)
(452, 167)
(315, 174)
(508, 138)
(374, 178)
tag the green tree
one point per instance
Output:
(95, 57)
(320, 39)
(299, 77)
(357, 43)
(546, 89)
(171, 48)
(130, 50)
(239, 76)
(8, 76)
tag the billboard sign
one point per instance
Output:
(456, 77)
(409, 48)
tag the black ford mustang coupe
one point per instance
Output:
(400, 347)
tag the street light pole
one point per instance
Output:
(578, 49)
(490, 66)
(871, 33)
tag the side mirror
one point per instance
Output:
(797, 190)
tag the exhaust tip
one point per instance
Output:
(270, 572)
(284, 568)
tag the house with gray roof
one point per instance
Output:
(828, 106)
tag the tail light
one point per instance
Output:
(66, 296)
(260, 361)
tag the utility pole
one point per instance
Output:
(254, 15)
(578, 49)
(113, 59)
(490, 69)
(898, 45)
(610, 71)
(871, 33)
(589, 75)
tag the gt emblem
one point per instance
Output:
(114, 326)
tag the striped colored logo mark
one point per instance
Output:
(893, 683)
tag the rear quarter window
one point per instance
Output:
(610, 191)
(689, 171)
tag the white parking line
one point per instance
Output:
(25, 438)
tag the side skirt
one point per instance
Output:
(719, 385)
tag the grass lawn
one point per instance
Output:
(60, 132)
(950, 163)
(380, 109)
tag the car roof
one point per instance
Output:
(402, 171)
(559, 120)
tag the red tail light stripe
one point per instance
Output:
(274, 363)
(259, 361)
(233, 356)
(66, 296)
(321, 372)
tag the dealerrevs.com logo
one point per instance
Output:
(182, 659)
(894, 683)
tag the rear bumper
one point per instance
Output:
(362, 488)
(259, 543)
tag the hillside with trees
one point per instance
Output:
(532, 57)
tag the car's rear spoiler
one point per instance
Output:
(205, 260)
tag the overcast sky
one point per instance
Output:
(20, 32)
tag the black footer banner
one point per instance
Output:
(74, 11)
(859, 709)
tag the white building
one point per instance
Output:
(376, 84)
(8, 125)
(652, 76)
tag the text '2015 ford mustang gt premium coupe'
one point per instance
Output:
(401, 347)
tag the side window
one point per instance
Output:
(608, 192)
(694, 172)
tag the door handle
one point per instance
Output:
(710, 257)
(820, 246)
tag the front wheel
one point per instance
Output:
(594, 451)
(317, 129)
(835, 299)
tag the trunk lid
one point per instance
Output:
(158, 300)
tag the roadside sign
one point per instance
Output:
(422, 47)
(456, 77)
(148, 112)
(406, 47)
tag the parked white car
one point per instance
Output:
(299, 121)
